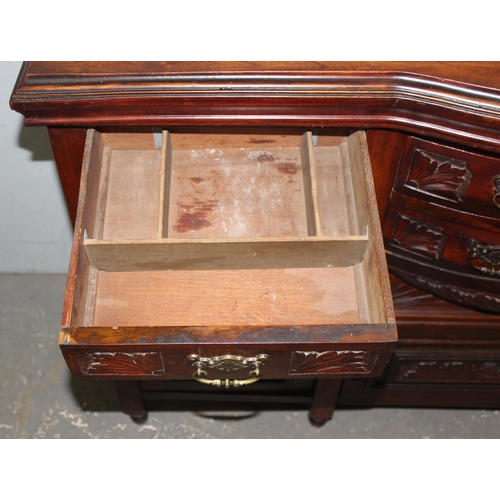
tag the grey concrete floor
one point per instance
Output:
(40, 399)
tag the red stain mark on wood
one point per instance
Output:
(196, 180)
(194, 216)
(288, 168)
(260, 141)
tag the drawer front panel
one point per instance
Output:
(450, 177)
(431, 240)
(444, 365)
(224, 362)
(456, 262)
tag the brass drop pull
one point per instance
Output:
(496, 196)
(227, 363)
(480, 254)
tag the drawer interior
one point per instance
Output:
(217, 228)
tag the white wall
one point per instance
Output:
(35, 229)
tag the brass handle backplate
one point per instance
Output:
(227, 363)
(496, 196)
(484, 254)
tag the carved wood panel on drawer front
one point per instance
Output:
(444, 365)
(345, 362)
(121, 363)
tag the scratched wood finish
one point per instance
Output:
(236, 191)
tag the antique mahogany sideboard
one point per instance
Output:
(232, 218)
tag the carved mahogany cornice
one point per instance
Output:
(459, 100)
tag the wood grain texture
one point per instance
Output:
(371, 274)
(68, 146)
(79, 280)
(229, 253)
(133, 195)
(386, 149)
(245, 297)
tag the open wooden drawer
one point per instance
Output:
(249, 252)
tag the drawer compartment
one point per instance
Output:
(237, 243)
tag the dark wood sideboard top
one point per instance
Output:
(457, 101)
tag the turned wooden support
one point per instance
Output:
(324, 400)
(131, 403)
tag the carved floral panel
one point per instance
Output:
(332, 362)
(473, 298)
(439, 175)
(121, 363)
(418, 237)
(451, 371)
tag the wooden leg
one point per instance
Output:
(131, 402)
(324, 400)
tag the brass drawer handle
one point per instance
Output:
(485, 254)
(496, 196)
(227, 363)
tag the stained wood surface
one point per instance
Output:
(241, 297)
(236, 193)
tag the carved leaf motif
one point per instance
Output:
(457, 371)
(418, 237)
(402, 293)
(480, 300)
(121, 363)
(447, 177)
(332, 362)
